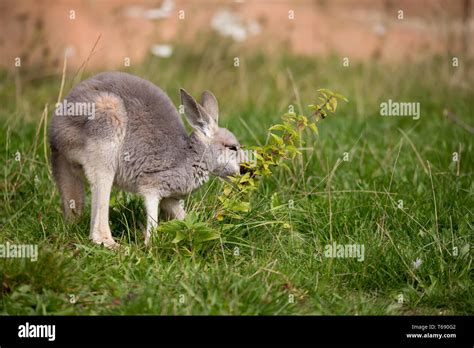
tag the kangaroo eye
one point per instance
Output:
(232, 147)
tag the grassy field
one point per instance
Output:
(387, 183)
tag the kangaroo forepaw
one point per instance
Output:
(109, 243)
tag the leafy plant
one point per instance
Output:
(190, 234)
(284, 141)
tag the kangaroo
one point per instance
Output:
(118, 129)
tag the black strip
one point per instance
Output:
(139, 330)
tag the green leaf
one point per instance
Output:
(178, 237)
(340, 96)
(332, 104)
(241, 206)
(277, 139)
(278, 127)
(206, 234)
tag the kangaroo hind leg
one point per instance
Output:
(69, 179)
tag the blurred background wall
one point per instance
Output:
(120, 32)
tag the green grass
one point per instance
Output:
(281, 250)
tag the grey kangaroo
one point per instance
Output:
(118, 129)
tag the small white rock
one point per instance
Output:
(164, 51)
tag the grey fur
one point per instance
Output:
(136, 141)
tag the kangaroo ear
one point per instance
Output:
(209, 102)
(197, 116)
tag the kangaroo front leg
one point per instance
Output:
(100, 230)
(151, 206)
(173, 209)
